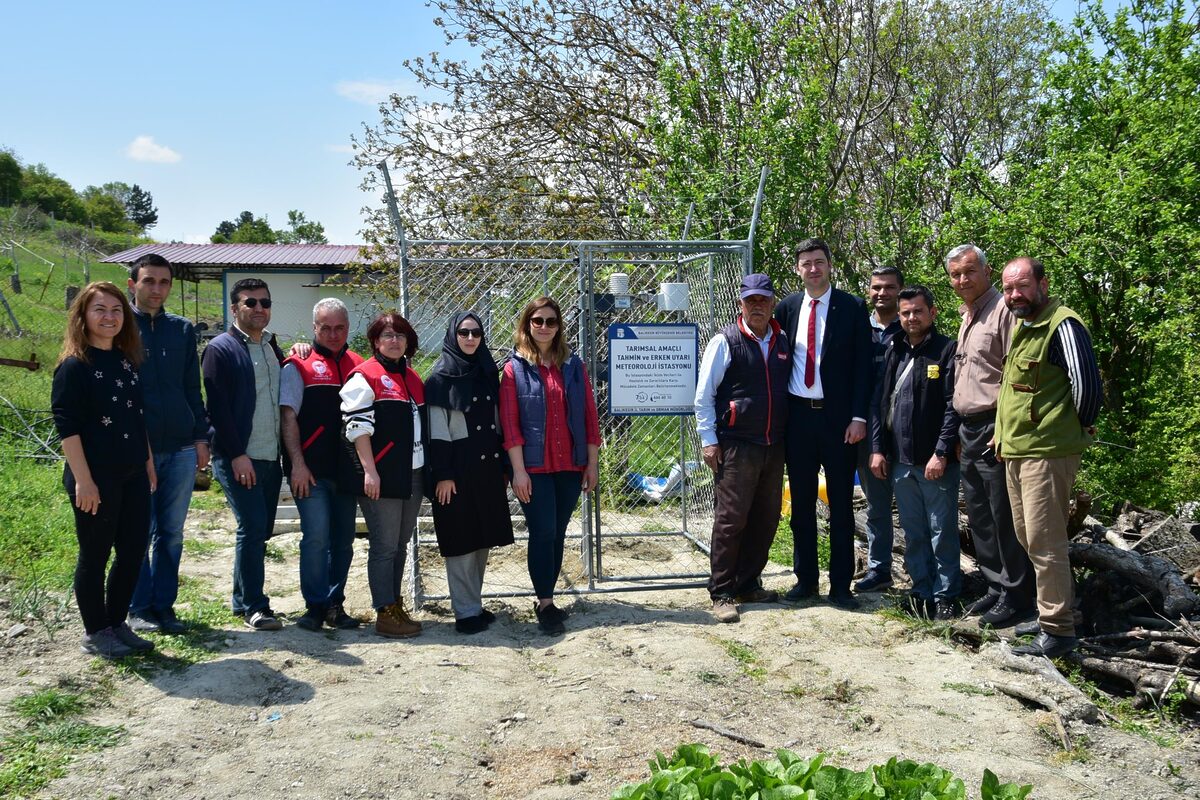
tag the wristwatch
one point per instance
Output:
(940, 453)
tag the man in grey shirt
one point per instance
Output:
(983, 339)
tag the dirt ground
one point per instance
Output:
(512, 714)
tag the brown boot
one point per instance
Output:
(393, 622)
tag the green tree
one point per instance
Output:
(42, 188)
(104, 211)
(139, 208)
(10, 179)
(246, 229)
(301, 230)
(1108, 196)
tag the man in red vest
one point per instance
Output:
(317, 465)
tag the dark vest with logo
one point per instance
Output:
(392, 443)
(320, 418)
(752, 399)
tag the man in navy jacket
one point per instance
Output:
(178, 430)
(242, 366)
(829, 397)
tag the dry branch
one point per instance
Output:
(1150, 572)
(726, 732)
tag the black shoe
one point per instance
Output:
(875, 580)
(1032, 628)
(917, 606)
(800, 592)
(844, 599)
(554, 613)
(145, 621)
(336, 617)
(169, 623)
(945, 610)
(312, 619)
(549, 621)
(1048, 645)
(475, 624)
(983, 604)
(1003, 615)
(488, 616)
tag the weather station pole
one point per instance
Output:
(394, 213)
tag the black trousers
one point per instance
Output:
(1004, 563)
(749, 494)
(121, 528)
(814, 442)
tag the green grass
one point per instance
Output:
(211, 500)
(745, 656)
(1161, 726)
(206, 616)
(201, 548)
(781, 548)
(50, 733)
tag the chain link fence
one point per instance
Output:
(648, 523)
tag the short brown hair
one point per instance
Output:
(398, 324)
(75, 338)
(525, 346)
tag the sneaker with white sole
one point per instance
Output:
(263, 620)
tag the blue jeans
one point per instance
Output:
(158, 583)
(326, 543)
(879, 512)
(929, 516)
(547, 514)
(254, 510)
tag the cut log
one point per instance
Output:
(1148, 684)
(1045, 686)
(1151, 572)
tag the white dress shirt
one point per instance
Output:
(800, 350)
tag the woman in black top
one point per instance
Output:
(109, 475)
(470, 508)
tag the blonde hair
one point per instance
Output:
(527, 348)
(75, 338)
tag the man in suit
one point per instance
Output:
(829, 396)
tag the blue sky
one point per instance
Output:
(213, 107)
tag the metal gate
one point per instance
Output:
(634, 532)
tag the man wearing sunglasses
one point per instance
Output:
(241, 380)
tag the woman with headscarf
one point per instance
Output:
(470, 508)
(383, 406)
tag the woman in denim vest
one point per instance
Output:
(552, 436)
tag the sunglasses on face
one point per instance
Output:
(547, 322)
(470, 333)
(251, 302)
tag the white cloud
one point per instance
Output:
(339, 148)
(196, 238)
(144, 148)
(373, 92)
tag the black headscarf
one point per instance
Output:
(457, 377)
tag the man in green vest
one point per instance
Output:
(1050, 397)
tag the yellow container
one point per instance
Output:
(787, 493)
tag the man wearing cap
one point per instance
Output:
(741, 417)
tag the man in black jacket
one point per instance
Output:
(914, 429)
(829, 396)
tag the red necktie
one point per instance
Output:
(810, 360)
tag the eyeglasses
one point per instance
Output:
(389, 336)
(547, 322)
(470, 333)
(252, 302)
